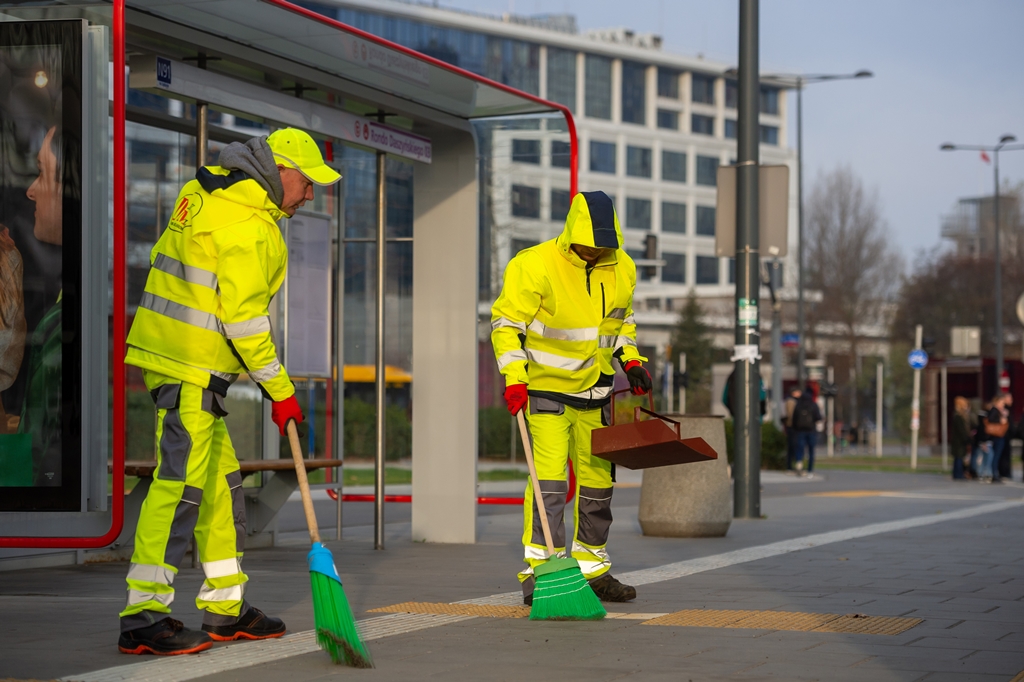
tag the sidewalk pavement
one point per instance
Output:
(944, 558)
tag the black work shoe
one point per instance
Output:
(167, 637)
(528, 599)
(253, 624)
(607, 588)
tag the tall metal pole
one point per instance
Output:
(801, 353)
(915, 406)
(378, 473)
(999, 285)
(202, 143)
(778, 400)
(682, 386)
(746, 389)
(879, 415)
(945, 417)
(830, 417)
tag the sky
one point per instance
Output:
(944, 72)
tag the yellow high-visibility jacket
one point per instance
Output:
(558, 322)
(203, 317)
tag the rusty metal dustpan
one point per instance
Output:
(648, 443)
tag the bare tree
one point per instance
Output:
(850, 260)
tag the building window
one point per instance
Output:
(673, 217)
(638, 213)
(562, 77)
(634, 92)
(702, 125)
(525, 201)
(730, 129)
(707, 270)
(770, 135)
(702, 89)
(642, 272)
(769, 100)
(668, 119)
(732, 94)
(518, 245)
(560, 202)
(561, 154)
(674, 269)
(638, 162)
(668, 83)
(707, 171)
(673, 166)
(706, 221)
(602, 157)
(732, 271)
(598, 96)
(526, 151)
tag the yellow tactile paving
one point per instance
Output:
(482, 610)
(848, 493)
(869, 625)
(787, 620)
(702, 618)
(784, 620)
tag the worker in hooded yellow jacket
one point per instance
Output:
(564, 313)
(203, 320)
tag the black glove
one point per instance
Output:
(639, 378)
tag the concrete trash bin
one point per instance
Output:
(689, 500)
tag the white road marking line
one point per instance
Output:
(236, 656)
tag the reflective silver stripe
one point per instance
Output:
(233, 593)
(596, 393)
(230, 378)
(222, 568)
(505, 322)
(189, 273)
(558, 361)
(138, 597)
(511, 356)
(257, 325)
(578, 334)
(624, 341)
(608, 341)
(267, 373)
(147, 573)
(617, 313)
(179, 312)
(629, 320)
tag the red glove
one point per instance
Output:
(286, 409)
(639, 378)
(515, 398)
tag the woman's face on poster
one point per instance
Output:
(46, 193)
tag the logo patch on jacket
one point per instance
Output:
(188, 208)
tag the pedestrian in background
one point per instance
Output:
(960, 438)
(806, 417)
(993, 428)
(1001, 457)
(787, 423)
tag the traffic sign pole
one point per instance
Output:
(915, 406)
(880, 376)
(830, 420)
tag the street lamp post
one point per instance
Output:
(1005, 145)
(798, 82)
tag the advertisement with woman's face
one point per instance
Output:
(40, 180)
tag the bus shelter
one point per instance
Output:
(91, 93)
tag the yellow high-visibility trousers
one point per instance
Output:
(197, 489)
(560, 433)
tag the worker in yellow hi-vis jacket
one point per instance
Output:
(202, 321)
(565, 311)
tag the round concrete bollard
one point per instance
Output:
(689, 500)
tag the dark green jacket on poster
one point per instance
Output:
(41, 412)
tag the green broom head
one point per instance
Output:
(336, 631)
(562, 593)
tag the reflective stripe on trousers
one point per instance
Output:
(196, 489)
(559, 433)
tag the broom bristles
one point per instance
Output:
(562, 593)
(336, 631)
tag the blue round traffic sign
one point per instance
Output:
(917, 359)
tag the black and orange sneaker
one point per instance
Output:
(253, 624)
(167, 637)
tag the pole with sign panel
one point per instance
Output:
(918, 360)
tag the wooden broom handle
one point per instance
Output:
(300, 472)
(537, 495)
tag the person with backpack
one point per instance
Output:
(806, 416)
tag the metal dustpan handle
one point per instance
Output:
(650, 401)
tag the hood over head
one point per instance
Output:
(252, 160)
(591, 222)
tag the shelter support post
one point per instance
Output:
(444, 347)
(378, 477)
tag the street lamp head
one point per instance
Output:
(1006, 139)
(948, 147)
(863, 74)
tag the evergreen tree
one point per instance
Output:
(692, 336)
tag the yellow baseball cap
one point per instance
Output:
(294, 148)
